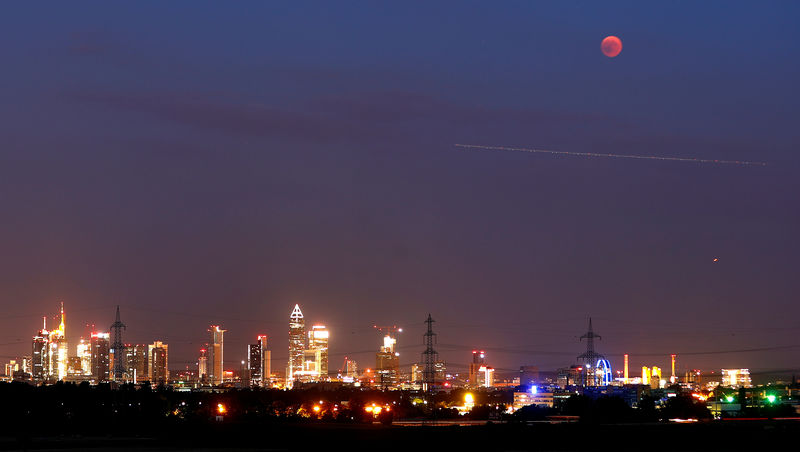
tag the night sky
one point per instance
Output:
(202, 163)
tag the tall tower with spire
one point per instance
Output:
(58, 349)
(297, 343)
(118, 349)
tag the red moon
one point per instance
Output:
(611, 46)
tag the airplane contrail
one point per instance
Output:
(616, 156)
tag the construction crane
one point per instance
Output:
(388, 329)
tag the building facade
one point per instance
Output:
(158, 363)
(215, 357)
(737, 378)
(318, 341)
(387, 363)
(297, 343)
(202, 366)
(259, 362)
(137, 369)
(101, 347)
(478, 360)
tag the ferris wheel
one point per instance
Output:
(602, 372)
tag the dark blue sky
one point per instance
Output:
(203, 163)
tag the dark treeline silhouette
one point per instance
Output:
(77, 414)
(613, 410)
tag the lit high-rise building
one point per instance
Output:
(485, 376)
(259, 362)
(85, 355)
(26, 365)
(202, 365)
(440, 371)
(266, 362)
(57, 350)
(416, 373)
(39, 355)
(254, 363)
(215, 361)
(297, 343)
(101, 345)
(478, 360)
(74, 367)
(311, 361)
(736, 378)
(11, 367)
(387, 362)
(137, 370)
(318, 340)
(158, 363)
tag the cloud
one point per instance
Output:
(342, 118)
(209, 113)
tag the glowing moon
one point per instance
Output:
(611, 46)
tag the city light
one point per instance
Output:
(95, 358)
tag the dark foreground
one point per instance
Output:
(713, 436)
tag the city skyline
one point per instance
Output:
(204, 165)
(459, 363)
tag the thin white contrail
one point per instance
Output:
(616, 156)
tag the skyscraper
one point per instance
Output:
(158, 363)
(258, 362)
(58, 353)
(318, 341)
(215, 361)
(84, 350)
(202, 365)
(254, 363)
(266, 362)
(39, 354)
(137, 370)
(101, 345)
(49, 352)
(478, 360)
(387, 362)
(297, 343)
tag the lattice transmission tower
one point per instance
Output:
(429, 357)
(589, 358)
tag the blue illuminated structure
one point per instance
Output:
(603, 375)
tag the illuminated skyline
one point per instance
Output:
(98, 358)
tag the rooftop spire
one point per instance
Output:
(297, 314)
(61, 326)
